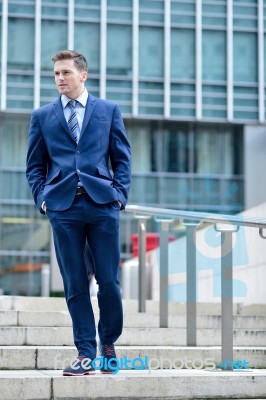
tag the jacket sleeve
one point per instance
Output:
(37, 161)
(120, 157)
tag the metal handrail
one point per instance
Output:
(199, 216)
(226, 225)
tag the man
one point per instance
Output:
(71, 143)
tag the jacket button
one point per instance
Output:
(78, 171)
(77, 152)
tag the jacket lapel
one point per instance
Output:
(88, 112)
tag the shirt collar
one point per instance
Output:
(82, 99)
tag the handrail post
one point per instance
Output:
(191, 284)
(163, 301)
(142, 262)
(45, 280)
(227, 294)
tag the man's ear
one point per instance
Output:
(84, 76)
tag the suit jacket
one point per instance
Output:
(55, 163)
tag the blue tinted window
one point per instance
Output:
(245, 57)
(183, 54)
(87, 42)
(151, 56)
(21, 47)
(214, 55)
(54, 39)
(119, 50)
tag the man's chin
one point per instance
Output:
(62, 90)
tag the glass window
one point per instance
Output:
(183, 7)
(218, 150)
(13, 141)
(54, 39)
(245, 57)
(118, 3)
(139, 136)
(13, 186)
(214, 101)
(182, 54)
(245, 15)
(163, 152)
(216, 9)
(15, 233)
(20, 43)
(174, 192)
(119, 10)
(87, 42)
(213, 55)
(170, 151)
(21, 7)
(175, 151)
(246, 115)
(264, 58)
(119, 50)
(93, 86)
(213, 14)
(59, 2)
(121, 93)
(118, 90)
(265, 104)
(21, 274)
(151, 11)
(182, 100)
(22, 232)
(182, 111)
(208, 150)
(88, 2)
(54, 8)
(144, 190)
(151, 55)
(87, 9)
(151, 4)
(48, 89)
(245, 102)
(151, 98)
(183, 12)
(20, 92)
(0, 39)
(245, 23)
(213, 22)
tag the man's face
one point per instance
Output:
(69, 80)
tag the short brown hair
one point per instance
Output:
(79, 60)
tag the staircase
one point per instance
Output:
(36, 343)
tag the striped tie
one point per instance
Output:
(73, 121)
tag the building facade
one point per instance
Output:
(189, 76)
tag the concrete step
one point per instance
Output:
(52, 336)
(152, 307)
(58, 357)
(131, 320)
(128, 385)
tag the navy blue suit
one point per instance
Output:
(55, 165)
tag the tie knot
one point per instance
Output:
(72, 103)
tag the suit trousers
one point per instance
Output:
(98, 224)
